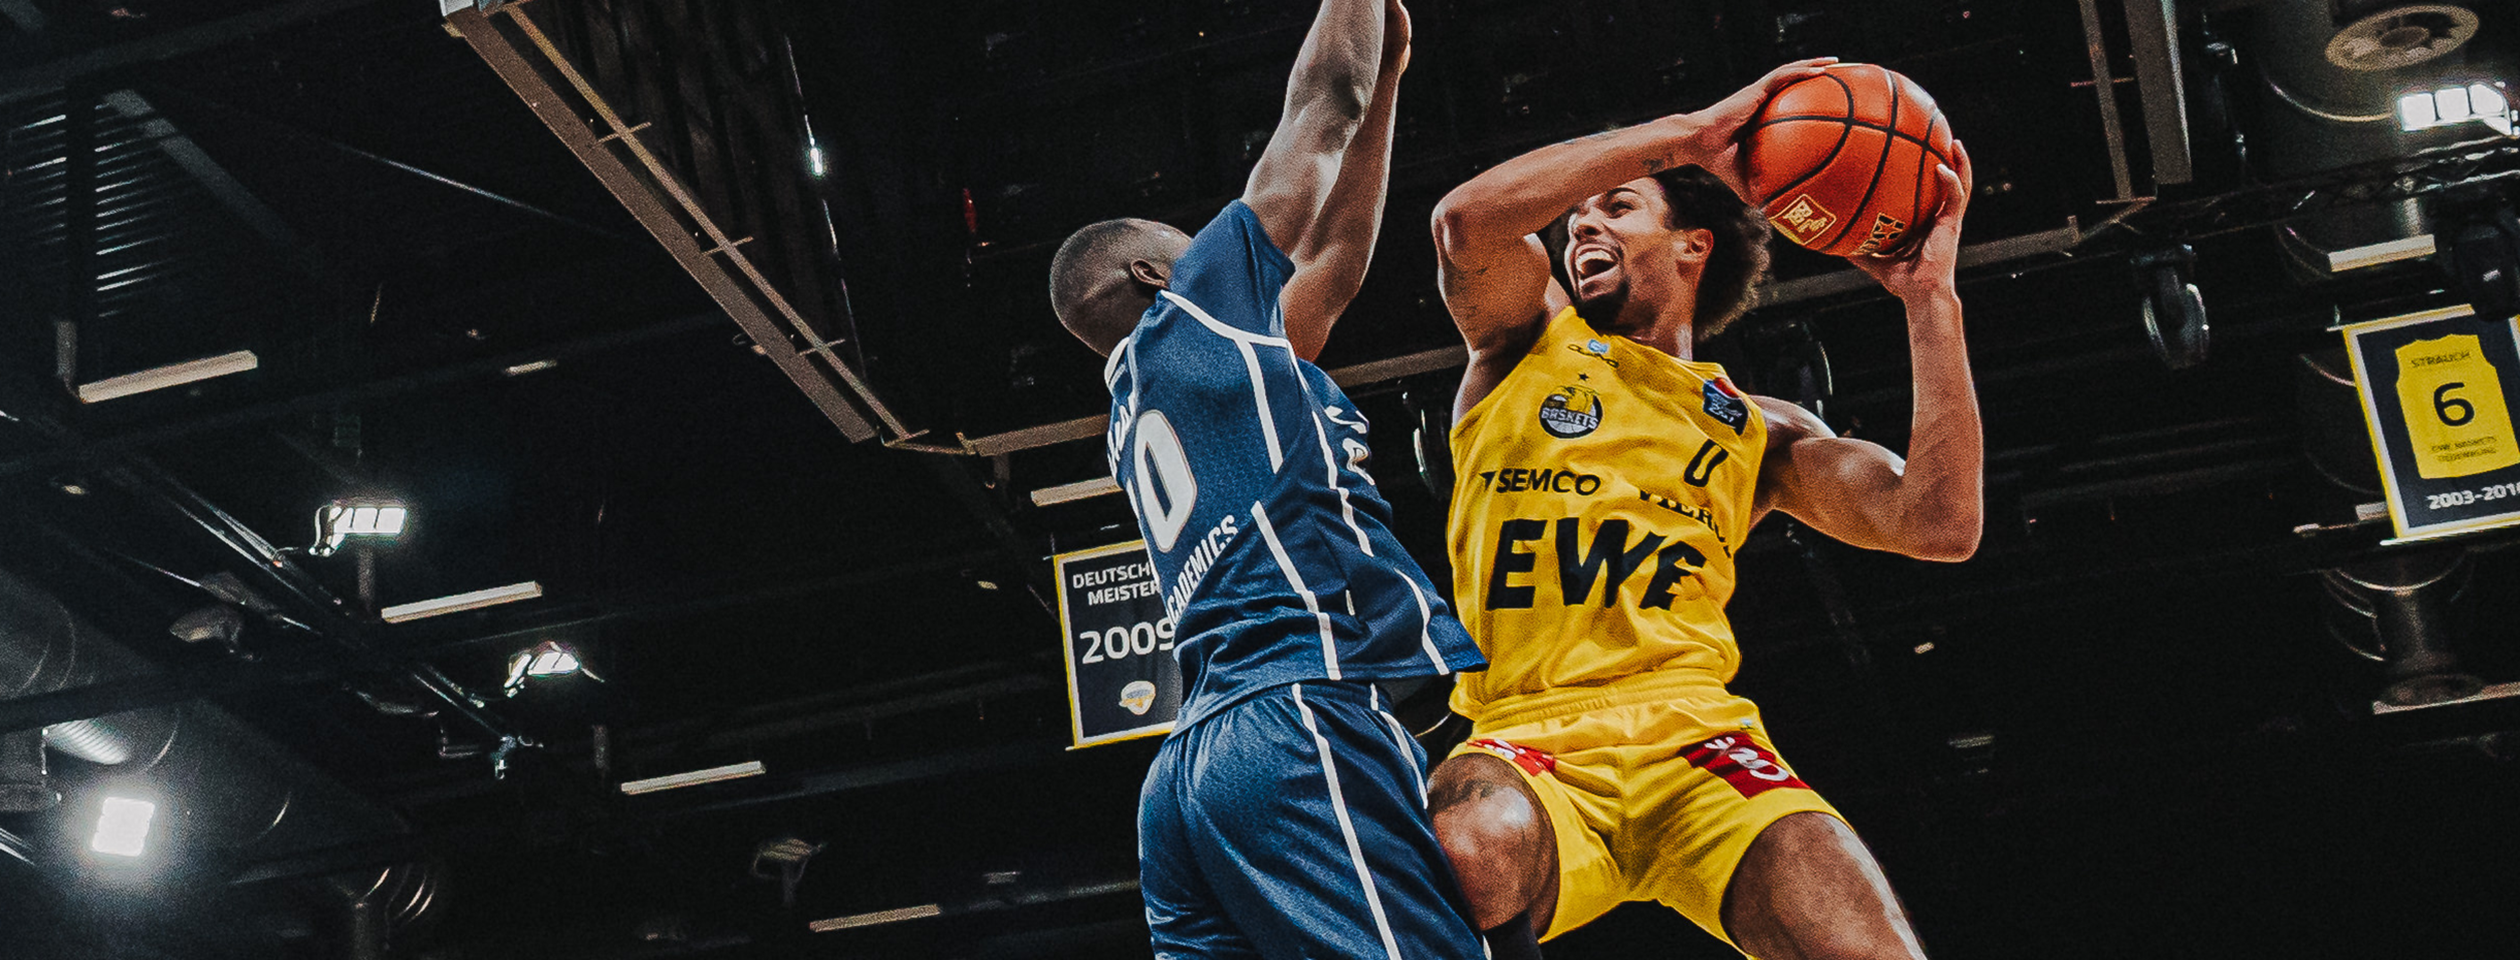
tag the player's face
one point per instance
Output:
(1621, 247)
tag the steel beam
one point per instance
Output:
(2104, 87)
(1085, 428)
(223, 186)
(310, 666)
(145, 437)
(307, 600)
(2153, 27)
(666, 208)
(163, 689)
(2004, 250)
(44, 78)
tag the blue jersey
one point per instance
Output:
(1246, 466)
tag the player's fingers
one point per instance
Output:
(1798, 70)
(1966, 168)
(1955, 202)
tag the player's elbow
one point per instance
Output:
(1334, 97)
(1456, 222)
(1948, 540)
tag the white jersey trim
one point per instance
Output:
(1399, 739)
(1111, 364)
(1286, 564)
(1426, 627)
(1243, 340)
(1347, 827)
(1331, 461)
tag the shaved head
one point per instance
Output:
(1106, 275)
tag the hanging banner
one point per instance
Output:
(2435, 390)
(1123, 681)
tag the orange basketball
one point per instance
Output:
(1843, 163)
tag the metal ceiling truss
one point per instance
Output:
(716, 162)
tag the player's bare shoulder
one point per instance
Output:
(1788, 422)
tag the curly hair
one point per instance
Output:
(1739, 260)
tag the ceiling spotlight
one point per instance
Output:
(790, 855)
(2486, 103)
(122, 827)
(216, 623)
(342, 519)
(550, 658)
(2173, 309)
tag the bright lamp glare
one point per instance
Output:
(2415, 112)
(552, 663)
(123, 828)
(2485, 103)
(340, 520)
(2453, 103)
(549, 658)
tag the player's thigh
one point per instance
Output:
(1809, 889)
(1319, 841)
(1699, 807)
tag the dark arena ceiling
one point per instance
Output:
(774, 474)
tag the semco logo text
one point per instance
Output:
(1541, 480)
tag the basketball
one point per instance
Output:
(1843, 163)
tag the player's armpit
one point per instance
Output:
(1859, 492)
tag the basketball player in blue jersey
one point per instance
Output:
(1286, 815)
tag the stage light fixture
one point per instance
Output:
(550, 658)
(122, 827)
(789, 855)
(2486, 103)
(2173, 309)
(340, 520)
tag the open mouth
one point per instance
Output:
(1593, 261)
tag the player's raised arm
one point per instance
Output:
(1326, 100)
(1494, 271)
(1930, 505)
(1330, 264)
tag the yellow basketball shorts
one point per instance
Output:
(1655, 800)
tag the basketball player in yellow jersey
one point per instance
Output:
(1606, 479)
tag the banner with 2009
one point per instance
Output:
(1123, 680)
(2436, 389)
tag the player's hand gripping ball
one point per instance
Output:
(1843, 163)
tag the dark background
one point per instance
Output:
(2140, 722)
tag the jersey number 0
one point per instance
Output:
(1166, 490)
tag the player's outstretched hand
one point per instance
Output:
(1716, 133)
(1928, 268)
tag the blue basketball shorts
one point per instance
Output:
(1294, 825)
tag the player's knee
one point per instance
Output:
(1495, 833)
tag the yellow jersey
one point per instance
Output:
(1598, 496)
